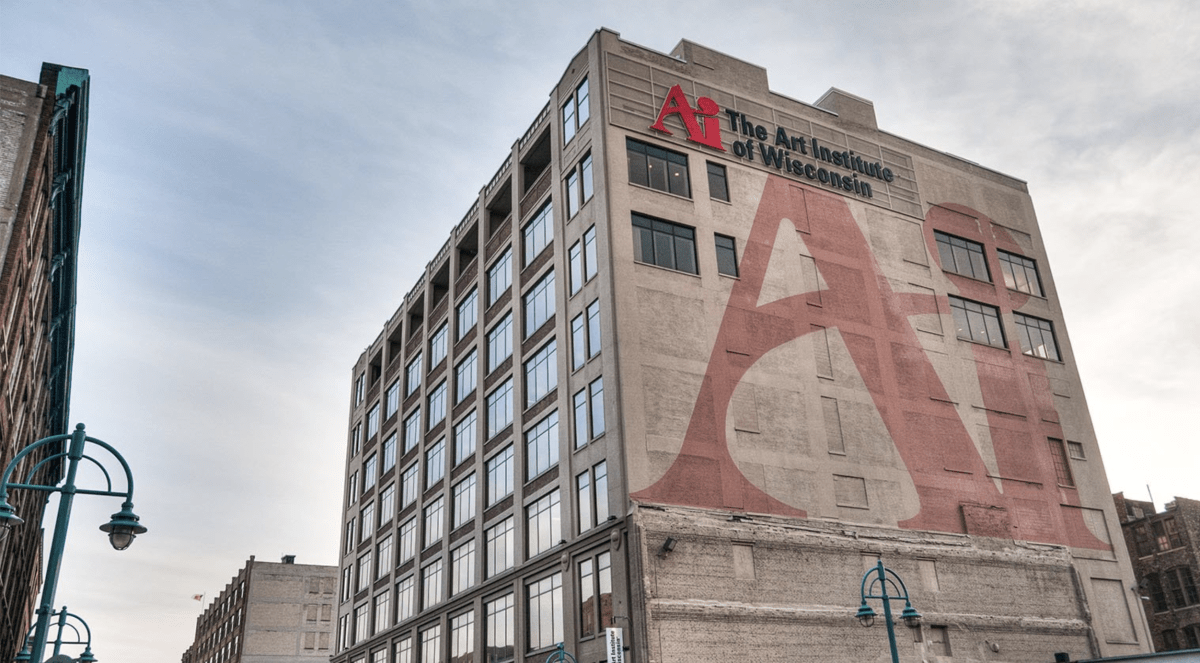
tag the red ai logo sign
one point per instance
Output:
(677, 104)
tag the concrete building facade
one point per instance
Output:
(697, 357)
(1166, 560)
(269, 613)
(43, 140)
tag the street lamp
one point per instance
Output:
(81, 638)
(866, 614)
(121, 530)
(560, 655)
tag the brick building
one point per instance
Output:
(1165, 548)
(43, 138)
(696, 358)
(269, 613)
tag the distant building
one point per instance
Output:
(43, 137)
(269, 613)
(695, 358)
(1166, 559)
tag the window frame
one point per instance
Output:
(949, 247)
(655, 228)
(500, 276)
(643, 157)
(538, 233)
(1027, 326)
(958, 304)
(729, 252)
(1009, 262)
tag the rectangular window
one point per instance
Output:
(575, 261)
(409, 485)
(412, 375)
(573, 202)
(462, 637)
(545, 606)
(435, 521)
(370, 467)
(464, 501)
(435, 463)
(499, 408)
(726, 255)
(383, 557)
(541, 446)
(578, 343)
(437, 404)
(406, 599)
(1189, 585)
(593, 319)
(1062, 468)
(389, 453)
(362, 622)
(500, 549)
(437, 347)
(373, 422)
(387, 504)
(464, 438)
(579, 185)
(541, 373)
(1174, 589)
(581, 419)
(596, 396)
(412, 430)
(543, 524)
(1020, 273)
(366, 520)
(464, 377)
(468, 314)
(962, 256)
(360, 388)
(600, 490)
(575, 111)
(538, 233)
(583, 501)
(718, 185)
(592, 496)
(664, 244)
(590, 264)
(343, 632)
(431, 644)
(364, 571)
(500, 276)
(977, 322)
(500, 341)
(500, 616)
(356, 440)
(657, 168)
(1157, 596)
(408, 541)
(500, 475)
(595, 594)
(539, 304)
(347, 580)
(1036, 336)
(462, 568)
(431, 584)
(351, 536)
(393, 399)
(1075, 450)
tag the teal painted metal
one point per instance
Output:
(81, 638)
(866, 614)
(560, 655)
(122, 529)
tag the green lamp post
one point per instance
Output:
(83, 637)
(885, 577)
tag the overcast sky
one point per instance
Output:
(265, 180)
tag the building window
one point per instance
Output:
(382, 618)
(366, 521)
(499, 341)
(581, 419)
(500, 277)
(468, 314)
(343, 632)
(464, 501)
(355, 440)
(657, 168)
(664, 244)
(393, 399)
(500, 552)
(499, 408)
(538, 233)
(464, 377)
(409, 485)
(578, 343)
(434, 521)
(435, 463)
(379, 655)
(431, 644)
(351, 536)
(575, 261)
(575, 112)
(387, 504)
(364, 571)
(726, 255)
(408, 540)
(383, 557)
(1157, 596)
(370, 466)
(589, 412)
(541, 446)
(591, 489)
(1170, 640)
(590, 264)
(541, 373)
(1191, 636)
(539, 304)
(412, 430)
(464, 438)
(545, 605)
(437, 405)
(962, 256)
(1075, 450)
(362, 622)
(500, 475)
(579, 185)
(543, 524)
(1020, 273)
(718, 184)
(462, 568)
(352, 487)
(593, 326)
(462, 637)
(431, 584)
(406, 599)
(347, 580)
(500, 616)
(437, 347)
(1036, 336)
(389, 453)
(1062, 468)
(595, 594)
(977, 322)
(373, 422)
(412, 375)
(360, 388)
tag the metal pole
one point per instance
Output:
(887, 612)
(62, 624)
(54, 561)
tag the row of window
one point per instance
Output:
(665, 170)
(980, 323)
(967, 258)
(1191, 638)
(1163, 535)
(1177, 585)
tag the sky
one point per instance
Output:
(265, 180)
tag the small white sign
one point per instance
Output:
(616, 645)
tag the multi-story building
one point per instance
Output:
(269, 613)
(696, 358)
(43, 137)
(1166, 560)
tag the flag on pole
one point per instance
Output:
(198, 597)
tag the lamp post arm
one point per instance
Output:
(12, 465)
(124, 465)
(887, 611)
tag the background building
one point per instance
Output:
(43, 138)
(269, 613)
(1166, 559)
(697, 357)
